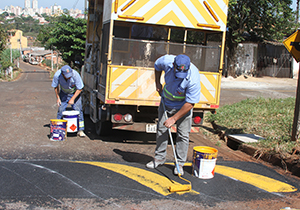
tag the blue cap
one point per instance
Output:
(182, 65)
(67, 71)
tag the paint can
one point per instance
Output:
(73, 120)
(204, 162)
(58, 130)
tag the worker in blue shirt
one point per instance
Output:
(179, 94)
(68, 85)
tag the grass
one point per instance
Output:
(269, 118)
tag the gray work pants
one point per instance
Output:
(182, 140)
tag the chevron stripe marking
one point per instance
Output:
(207, 87)
(207, 93)
(127, 79)
(157, 10)
(119, 75)
(206, 18)
(171, 17)
(139, 7)
(146, 87)
(187, 8)
(190, 13)
(219, 10)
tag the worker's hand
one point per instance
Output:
(169, 122)
(58, 102)
(159, 88)
(71, 101)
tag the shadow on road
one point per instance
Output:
(133, 156)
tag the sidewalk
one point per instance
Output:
(258, 82)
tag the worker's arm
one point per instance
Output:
(77, 92)
(58, 101)
(184, 109)
(157, 82)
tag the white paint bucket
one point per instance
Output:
(204, 162)
(73, 120)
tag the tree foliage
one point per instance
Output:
(7, 55)
(3, 38)
(258, 20)
(67, 35)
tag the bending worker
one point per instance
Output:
(179, 94)
(71, 86)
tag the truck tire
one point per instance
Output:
(103, 128)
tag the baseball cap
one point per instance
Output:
(67, 71)
(181, 65)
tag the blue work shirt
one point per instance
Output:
(69, 86)
(192, 87)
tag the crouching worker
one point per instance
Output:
(69, 91)
(179, 94)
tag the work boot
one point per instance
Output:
(155, 163)
(180, 170)
(81, 134)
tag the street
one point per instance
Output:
(109, 172)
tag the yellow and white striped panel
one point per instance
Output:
(133, 84)
(209, 88)
(202, 14)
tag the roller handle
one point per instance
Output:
(171, 139)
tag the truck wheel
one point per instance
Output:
(103, 128)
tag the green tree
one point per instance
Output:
(5, 57)
(3, 38)
(257, 21)
(67, 35)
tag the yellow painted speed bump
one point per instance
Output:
(161, 184)
(260, 181)
(152, 180)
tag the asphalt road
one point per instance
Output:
(110, 173)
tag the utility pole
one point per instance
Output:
(295, 130)
(291, 44)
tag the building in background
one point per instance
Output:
(16, 39)
(31, 8)
(27, 4)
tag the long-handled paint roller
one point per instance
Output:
(176, 188)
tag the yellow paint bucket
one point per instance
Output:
(58, 130)
(204, 162)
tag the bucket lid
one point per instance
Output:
(204, 149)
(72, 112)
(58, 120)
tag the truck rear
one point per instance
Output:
(125, 37)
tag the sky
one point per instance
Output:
(69, 4)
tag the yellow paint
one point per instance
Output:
(152, 180)
(260, 181)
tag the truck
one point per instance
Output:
(123, 40)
